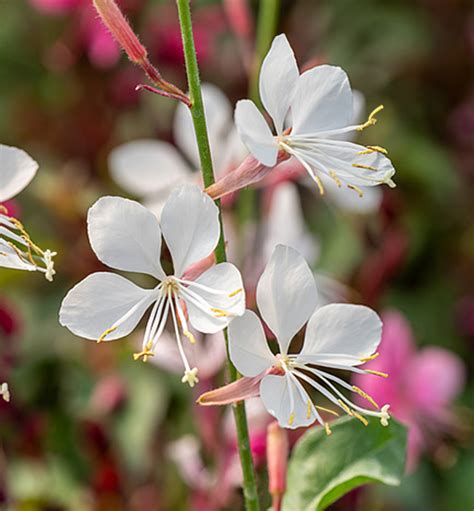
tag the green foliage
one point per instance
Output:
(323, 469)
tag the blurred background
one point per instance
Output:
(87, 428)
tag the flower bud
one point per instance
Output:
(277, 457)
(116, 22)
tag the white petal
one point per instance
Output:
(223, 277)
(10, 259)
(342, 329)
(275, 394)
(218, 112)
(255, 132)
(347, 199)
(343, 159)
(100, 300)
(286, 294)
(125, 235)
(248, 347)
(322, 100)
(278, 78)
(286, 224)
(17, 169)
(190, 225)
(147, 167)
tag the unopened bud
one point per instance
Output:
(277, 459)
(119, 27)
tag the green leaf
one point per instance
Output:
(324, 468)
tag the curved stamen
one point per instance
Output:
(190, 375)
(122, 320)
(207, 289)
(184, 323)
(158, 328)
(381, 415)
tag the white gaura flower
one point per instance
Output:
(151, 169)
(320, 104)
(126, 236)
(17, 250)
(338, 336)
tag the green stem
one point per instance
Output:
(199, 121)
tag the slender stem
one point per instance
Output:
(199, 121)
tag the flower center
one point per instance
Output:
(170, 286)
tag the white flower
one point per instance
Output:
(321, 106)
(126, 236)
(344, 197)
(338, 336)
(17, 250)
(5, 392)
(151, 169)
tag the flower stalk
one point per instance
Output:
(123, 33)
(197, 112)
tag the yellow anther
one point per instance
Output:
(356, 189)
(333, 174)
(365, 396)
(377, 373)
(374, 149)
(371, 120)
(327, 410)
(319, 183)
(364, 421)
(371, 357)
(344, 407)
(190, 336)
(235, 293)
(328, 429)
(3, 209)
(144, 355)
(291, 420)
(106, 333)
(361, 166)
(219, 313)
(308, 410)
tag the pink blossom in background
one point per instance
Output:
(102, 50)
(421, 385)
(55, 6)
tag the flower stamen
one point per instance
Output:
(365, 396)
(371, 120)
(371, 357)
(376, 373)
(374, 149)
(360, 193)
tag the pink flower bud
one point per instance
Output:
(248, 172)
(120, 28)
(277, 458)
(239, 390)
